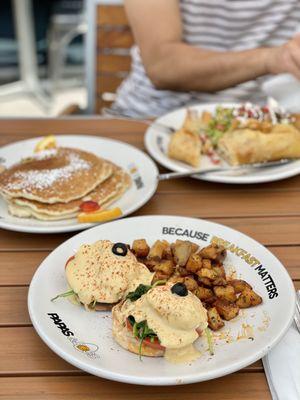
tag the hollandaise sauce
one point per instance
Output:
(97, 274)
(173, 318)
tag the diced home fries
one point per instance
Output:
(203, 273)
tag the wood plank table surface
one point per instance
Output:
(270, 213)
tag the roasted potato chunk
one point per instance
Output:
(167, 251)
(181, 271)
(219, 281)
(225, 292)
(214, 252)
(214, 320)
(203, 293)
(239, 285)
(165, 266)
(194, 263)
(190, 283)
(150, 264)
(204, 281)
(206, 263)
(206, 273)
(156, 251)
(226, 309)
(248, 298)
(220, 271)
(195, 247)
(181, 252)
(176, 279)
(140, 248)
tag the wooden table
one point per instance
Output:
(270, 213)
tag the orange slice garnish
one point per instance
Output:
(100, 216)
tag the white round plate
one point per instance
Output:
(157, 141)
(141, 168)
(251, 335)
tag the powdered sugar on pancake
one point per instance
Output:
(43, 179)
(43, 155)
(58, 175)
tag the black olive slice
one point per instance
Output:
(179, 289)
(120, 249)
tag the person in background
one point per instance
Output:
(199, 51)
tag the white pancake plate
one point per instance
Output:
(141, 168)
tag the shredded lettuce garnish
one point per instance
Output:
(209, 341)
(66, 294)
(219, 124)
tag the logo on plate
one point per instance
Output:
(89, 349)
(137, 179)
(159, 141)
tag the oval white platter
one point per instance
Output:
(157, 141)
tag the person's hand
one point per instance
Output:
(285, 58)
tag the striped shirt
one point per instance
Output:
(221, 25)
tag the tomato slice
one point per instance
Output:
(89, 206)
(199, 331)
(68, 260)
(147, 341)
(155, 344)
(128, 325)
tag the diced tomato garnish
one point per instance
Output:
(213, 157)
(215, 160)
(68, 260)
(199, 331)
(89, 206)
(155, 344)
(220, 127)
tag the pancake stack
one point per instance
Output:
(52, 184)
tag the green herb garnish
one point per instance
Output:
(219, 124)
(141, 290)
(131, 320)
(93, 304)
(141, 331)
(209, 341)
(66, 294)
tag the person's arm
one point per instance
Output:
(172, 64)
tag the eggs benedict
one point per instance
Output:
(101, 274)
(160, 321)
